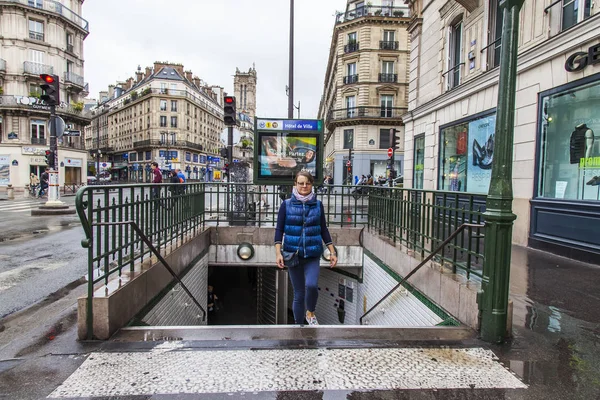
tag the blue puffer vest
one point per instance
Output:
(307, 241)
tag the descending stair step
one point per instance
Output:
(294, 332)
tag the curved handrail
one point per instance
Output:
(429, 257)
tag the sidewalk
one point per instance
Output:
(554, 350)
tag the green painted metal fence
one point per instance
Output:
(169, 214)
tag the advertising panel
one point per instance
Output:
(285, 147)
(481, 154)
(4, 170)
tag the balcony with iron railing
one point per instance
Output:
(36, 68)
(388, 78)
(372, 11)
(388, 45)
(41, 141)
(365, 112)
(54, 7)
(70, 48)
(202, 100)
(36, 35)
(350, 79)
(351, 47)
(73, 78)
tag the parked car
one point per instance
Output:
(91, 180)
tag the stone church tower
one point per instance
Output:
(244, 89)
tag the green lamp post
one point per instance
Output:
(499, 218)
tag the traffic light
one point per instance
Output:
(226, 169)
(395, 139)
(51, 88)
(224, 153)
(50, 158)
(230, 116)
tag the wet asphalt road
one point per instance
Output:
(38, 256)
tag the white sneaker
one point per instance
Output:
(312, 320)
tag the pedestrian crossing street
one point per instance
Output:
(18, 206)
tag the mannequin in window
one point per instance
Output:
(581, 143)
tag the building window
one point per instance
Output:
(352, 45)
(384, 138)
(148, 155)
(389, 41)
(387, 106)
(163, 121)
(419, 162)
(387, 72)
(351, 106)
(163, 105)
(132, 156)
(173, 105)
(351, 76)
(173, 87)
(35, 3)
(574, 11)
(70, 42)
(348, 138)
(494, 34)
(454, 55)
(36, 30)
(463, 168)
(569, 151)
(35, 90)
(163, 88)
(173, 122)
(38, 132)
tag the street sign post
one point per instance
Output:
(348, 163)
(390, 152)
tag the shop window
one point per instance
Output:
(384, 138)
(348, 138)
(466, 155)
(133, 157)
(494, 34)
(419, 162)
(569, 166)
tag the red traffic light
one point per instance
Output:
(47, 78)
(48, 152)
(229, 99)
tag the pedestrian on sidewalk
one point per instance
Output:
(299, 235)
(44, 182)
(156, 178)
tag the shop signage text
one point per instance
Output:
(39, 151)
(35, 103)
(591, 162)
(579, 60)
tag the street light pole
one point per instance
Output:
(98, 144)
(499, 218)
(291, 72)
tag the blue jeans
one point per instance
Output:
(305, 279)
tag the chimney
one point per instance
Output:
(148, 72)
(129, 84)
(188, 75)
(196, 81)
(139, 76)
(178, 68)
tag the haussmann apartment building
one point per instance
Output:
(449, 145)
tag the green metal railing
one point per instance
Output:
(422, 220)
(169, 214)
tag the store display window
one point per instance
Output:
(466, 155)
(569, 153)
(419, 158)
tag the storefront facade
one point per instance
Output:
(449, 141)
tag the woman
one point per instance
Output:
(301, 221)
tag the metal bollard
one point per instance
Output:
(10, 192)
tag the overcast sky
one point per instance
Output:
(212, 38)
